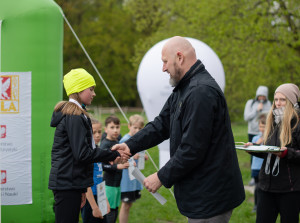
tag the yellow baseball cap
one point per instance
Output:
(78, 80)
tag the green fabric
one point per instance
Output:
(32, 40)
(113, 195)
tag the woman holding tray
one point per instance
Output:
(279, 177)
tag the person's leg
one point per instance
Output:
(67, 206)
(111, 194)
(289, 205)
(111, 217)
(127, 199)
(87, 213)
(267, 210)
(124, 212)
(255, 194)
(222, 218)
(116, 214)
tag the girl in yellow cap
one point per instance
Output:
(74, 149)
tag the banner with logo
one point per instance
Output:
(15, 139)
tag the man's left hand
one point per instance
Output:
(152, 183)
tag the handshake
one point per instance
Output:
(152, 182)
(124, 151)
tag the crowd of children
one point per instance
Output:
(114, 173)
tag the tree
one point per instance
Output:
(107, 32)
(257, 41)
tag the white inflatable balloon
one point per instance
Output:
(153, 84)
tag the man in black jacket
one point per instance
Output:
(203, 166)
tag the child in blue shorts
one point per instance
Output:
(130, 189)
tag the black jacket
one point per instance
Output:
(203, 166)
(73, 154)
(112, 175)
(288, 178)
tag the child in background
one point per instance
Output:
(256, 161)
(130, 189)
(74, 151)
(112, 172)
(90, 212)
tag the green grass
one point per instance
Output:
(148, 210)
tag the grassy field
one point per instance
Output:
(148, 210)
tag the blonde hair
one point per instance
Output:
(285, 126)
(95, 121)
(136, 119)
(70, 108)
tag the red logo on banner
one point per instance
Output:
(3, 176)
(3, 131)
(9, 94)
(5, 88)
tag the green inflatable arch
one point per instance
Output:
(32, 40)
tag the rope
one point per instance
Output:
(95, 68)
(101, 78)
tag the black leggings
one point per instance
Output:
(87, 213)
(269, 205)
(67, 205)
(111, 217)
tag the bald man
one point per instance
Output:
(203, 166)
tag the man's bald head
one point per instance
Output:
(178, 43)
(182, 51)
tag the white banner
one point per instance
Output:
(15, 139)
